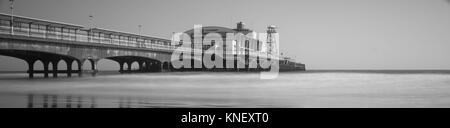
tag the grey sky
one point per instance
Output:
(324, 34)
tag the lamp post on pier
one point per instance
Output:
(11, 6)
(91, 24)
(138, 40)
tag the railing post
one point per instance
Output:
(89, 35)
(75, 35)
(61, 34)
(110, 39)
(29, 29)
(120, 40)
(46, 31)
(128, 41)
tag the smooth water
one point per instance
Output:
(195, 89)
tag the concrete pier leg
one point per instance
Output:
(94, 66)
(69, 68)
(147, 66)
(45, 68)
(121, 66)
(129, 66)
(141, 64)
(159, 66)
(55, 68)
(31, 68)
(80, 68)
(162, 67)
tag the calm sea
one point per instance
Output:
(368, 88)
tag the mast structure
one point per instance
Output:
(271, 40)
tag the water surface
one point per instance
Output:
(369, 88)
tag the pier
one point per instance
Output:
(50, 42)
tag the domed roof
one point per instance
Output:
(209, 29)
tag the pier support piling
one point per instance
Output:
(80, 68)
(46, 62)
(121, 63)
(141, 64)
(55, 68)
(129, 66)
(31, 68)
(94, 66)
(69, 67)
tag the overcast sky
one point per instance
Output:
(323, 34)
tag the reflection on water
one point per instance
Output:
(71, 101)
(59, 101)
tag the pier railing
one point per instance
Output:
(61, 31)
